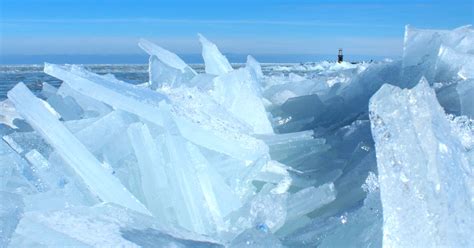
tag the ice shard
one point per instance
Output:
(211, 134)
(254, 66)
(155, 182)
(102, 184)
(422, 47)
(239, 88)
(216, 63)
(166, 68)
(423, 170)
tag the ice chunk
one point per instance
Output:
(212, 134)
(8, 113)
(205, 197)
(40, 167)
(422, 47)
(425, 183)
(465, 91)
(155, 183)
(237, 89)
(48, 90)
(254, 67)
(11, 209)
(164, 55)
(452, 65)
(361, 227)
(100, 225)
(90, 107)
(104, 185)
(108, 128)
(66, 107)
(166, 68)
(309, 199)
(162, 75)
(275, 172)
(216, 63)
(265, 211)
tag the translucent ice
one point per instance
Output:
(423, 170)
(422, 47)
(104, 185)
(166, 68)
(216, 63)
(237, 89)
(245, 155)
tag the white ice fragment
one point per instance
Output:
(8, 113)
(216, 63)
(276, 172)
(155, 182)
(310, 199)
(426, 191)
(100, 183)
(254, 67)
(50, 109)
(48, 90)
(166, 68)
(164, 55)
(421, 49)
(12, 143)
(371, 183)
(237, 89)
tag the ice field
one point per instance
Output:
(300, 155)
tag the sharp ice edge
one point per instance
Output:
(262, 155)
(425, 178)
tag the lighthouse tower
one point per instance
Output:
(340, 57)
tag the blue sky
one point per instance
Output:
(112, 27)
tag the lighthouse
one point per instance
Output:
(340, 57)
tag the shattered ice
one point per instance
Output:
(255, 155)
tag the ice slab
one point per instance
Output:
(11, 209)
(216, 63)
(309, 199)
(421, 50)
(237, 89)
(166, 68)
(100, 225)
(254, 66)
(212, 134)
(465, 91)
(155, 183)
(164, 55)
(104, 185)
(424, 177)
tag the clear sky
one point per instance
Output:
(112, 27)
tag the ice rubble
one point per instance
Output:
(235, 157)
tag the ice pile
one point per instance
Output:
(324, 155)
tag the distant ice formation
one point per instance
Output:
(318, 154)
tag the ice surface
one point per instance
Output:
(423, 170)
(257, 155)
